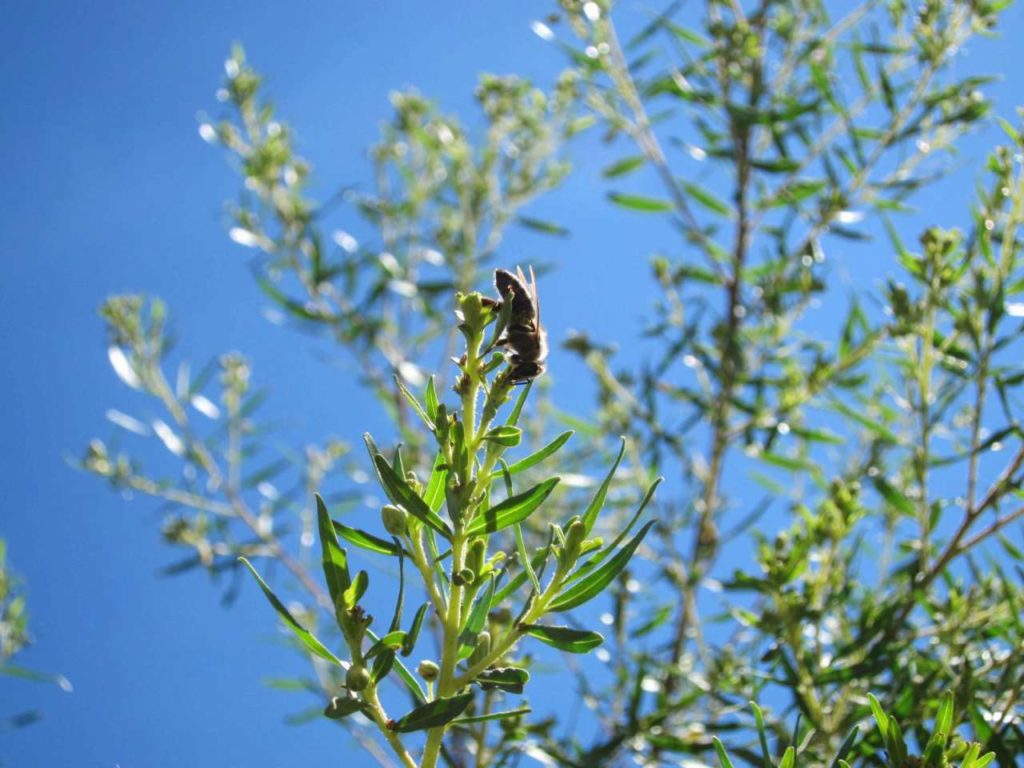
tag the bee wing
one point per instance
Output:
(533, 291)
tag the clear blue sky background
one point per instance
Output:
(108, 188)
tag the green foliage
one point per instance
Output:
(454, 581)
(13, 617)
(838, 539)
(15, 637)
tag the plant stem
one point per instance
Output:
(469, 481)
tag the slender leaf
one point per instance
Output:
(623, 166)
(430, 401)
(512, 510)
(433, 714)
(601, 556)
(433, 494)
(846, 747)
(475, 622)
(597, 503)
(762, 736)
(509, 679)
(411, 683)
(416, 406)
(315, 646)
(414, 631)
(504, 714)
(343, 706)
(640, 203)
(589, 587)
(544, 227)
(944, 718)
(708, 200)
(565, 638)
(365, 540)
(506, 436)
(335, 561)
(401, 493)
(536, 458)
(723, 757)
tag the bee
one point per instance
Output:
(525, 339)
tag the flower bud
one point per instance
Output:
(475, 555)
(357, 677)
(395, 520)
(483, 647)
(573, 543)
(428, 670)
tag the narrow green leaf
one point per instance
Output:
(536, 458)
(597, 503)
(846, 747)
(505, 435)
(414, 631)
(762, 735)
(356, 589)
(536, 563)
(589, 587)
(640, 203)
(894, 497)
(335, 561)
(623, 166)
(307, 639)
(15, 670)
(416, 406)
(400, 492)
(520, 542)
(544, 227)
(780, 165)
(708, 200)
(433, 714)
(788, 758)
(723, 757)
(297, 308)
(564, 638)
(605, 553)
(411, 683)
(524, 559)
(475, 622)
(510, 679)
(512, 510)
(392, 641)
(396, 619)
(879, 430)
(944, 718)
(266, 473)
(365, 540)
(382, 665)
(517, 409)
(430, 401)
(433, 494)
(492, 716)
(881, 718)
(343, 706)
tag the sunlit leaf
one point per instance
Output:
(565, 638)
(312, 644)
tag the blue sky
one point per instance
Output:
(109, 189)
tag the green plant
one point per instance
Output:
(15, 637)
(939, 751)
(471, 584)
(836, 523)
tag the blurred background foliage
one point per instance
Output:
(15, 637)
(842, 505)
